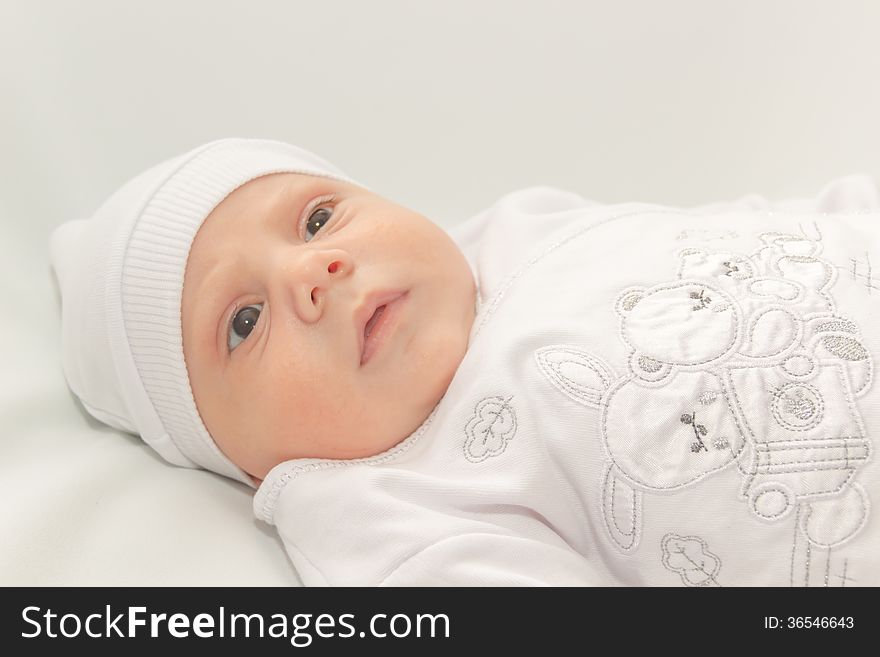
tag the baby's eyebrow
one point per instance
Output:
(282, 212)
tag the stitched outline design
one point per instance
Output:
(863, 504)
(799, 290)
(796, 251)
(813, 410)
(801, 548)
(495, 409)
(647, 368)
(817, 341)
(792, 342)
(629, 477)
(794, 544)
(685, 285)
(761, 491)
(738, 267)
(778, 265)
(627, 539)
(550, 361)
(692, 555)
(789, 367)
(852, 452)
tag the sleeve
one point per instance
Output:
(485, 559)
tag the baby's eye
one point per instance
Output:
(316, 221)
(242, 324)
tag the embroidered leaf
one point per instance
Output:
(702, 430)
(690, 557)
(686, 419)
(696, 447)
(490, 428)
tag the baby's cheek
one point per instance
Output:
(431, 368)
(321, 398)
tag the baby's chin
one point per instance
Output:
(421, 393)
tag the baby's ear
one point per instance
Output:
(628, 299)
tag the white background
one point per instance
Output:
(445, 106)
(440, 106)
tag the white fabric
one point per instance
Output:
(651, 396)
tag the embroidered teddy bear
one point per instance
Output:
(740, 361)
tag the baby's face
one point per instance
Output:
(281, 285)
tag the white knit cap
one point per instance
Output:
(120, 274)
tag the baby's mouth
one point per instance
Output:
(372, 321)
(373, 330)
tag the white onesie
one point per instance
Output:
(650, 396)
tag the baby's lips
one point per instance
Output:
(365, 310)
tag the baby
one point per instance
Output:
(558, 392)
(320, 320)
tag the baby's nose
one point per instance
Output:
(318, 272)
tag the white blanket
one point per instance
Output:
(650, 396)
